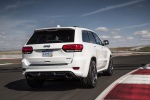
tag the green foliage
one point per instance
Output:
(145, 49)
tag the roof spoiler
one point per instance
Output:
(58, 26)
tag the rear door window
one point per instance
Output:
(52, 36)
(92, 38)
(98, 41)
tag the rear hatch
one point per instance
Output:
(47, 46)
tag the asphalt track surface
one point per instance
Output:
(13, 85)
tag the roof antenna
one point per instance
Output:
(58, 26)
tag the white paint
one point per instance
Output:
(137, 79)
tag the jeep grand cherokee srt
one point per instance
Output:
(65, 53)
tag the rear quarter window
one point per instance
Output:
(52, 36)
(85, 37)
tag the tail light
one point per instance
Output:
(72, 47)
(27, 50)
(76, 68)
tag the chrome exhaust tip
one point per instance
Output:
(69, 75)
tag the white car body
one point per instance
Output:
(59, 60)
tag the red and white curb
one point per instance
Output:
(133, 86)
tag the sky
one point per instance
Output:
(123, 22)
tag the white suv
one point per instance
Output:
(65, 53)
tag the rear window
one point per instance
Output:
(52, 36)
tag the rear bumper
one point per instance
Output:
(56, 68)
(50, 75)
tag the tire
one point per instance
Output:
(91, 80)
(35, 83)
(109, 71)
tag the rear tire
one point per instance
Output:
(35, 83)
(109, 71)
(91, 80)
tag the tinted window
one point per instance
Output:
(52, 36)
(98, 41)
(92, 39)
(85, 36)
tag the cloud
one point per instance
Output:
(102, 29)
(105, 37)
(145, 40)
(14, 32)
(113, 7)
(130, 38)
(11, 6)
(9, 24)
(105, 29)
(17, 5)
(135, 26)
(12, 41)
(144, 34)
(117, 37)
(115, 31)
(1, 41)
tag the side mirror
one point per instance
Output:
(105, 42)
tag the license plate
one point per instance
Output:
(47, 54)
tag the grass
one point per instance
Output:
(121, 49)
(145, 49)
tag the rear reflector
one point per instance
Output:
(72, 47)
(76, 68)
(27, 50)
